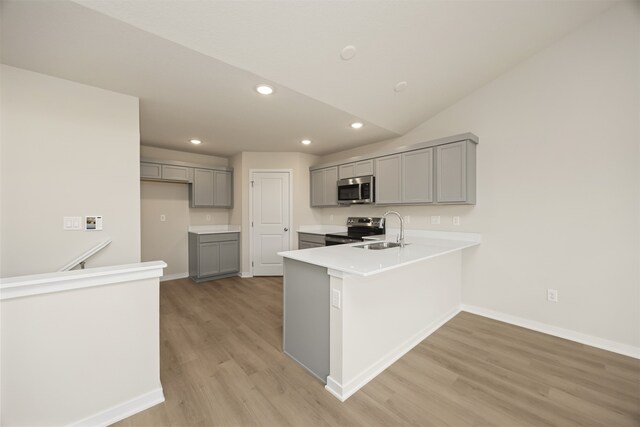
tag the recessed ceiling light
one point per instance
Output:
(356, 125)
(305, 141)
(195, 141)
(400, 86)
(348, 52)
(264, 89)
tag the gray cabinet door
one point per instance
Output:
(388, 179)
(451, 169)
(222, 191)
(417, 176)
(229, 257)
(150, 170)
(347, 171)
(364, 168)
(331, 186)
(209, 259)
(202, 188)
(317, 187)
(176, 173)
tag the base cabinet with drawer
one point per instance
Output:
(213, 256)
(310, 240)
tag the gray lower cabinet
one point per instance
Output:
(306, 316)
(309, 240)
(324, 190)
(389, 179)
(456, 173)
(213, 256)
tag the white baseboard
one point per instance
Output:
(245, 274)
(123, 410)
(613, 346)
(173, 276)
(342, 392)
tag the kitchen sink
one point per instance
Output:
(378, 245)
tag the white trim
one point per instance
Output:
(21, 286)
(123, 410)
(251, 172)
(593, 341)
(344, 391)
(245, 274)
(174, 276)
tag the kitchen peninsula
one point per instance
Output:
(350, 312)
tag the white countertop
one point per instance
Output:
(321, 229)
(421, 245)
(214, 229)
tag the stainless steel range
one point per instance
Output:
(357, 228)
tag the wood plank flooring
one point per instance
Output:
(222, 365)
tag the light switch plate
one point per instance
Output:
(72, 223)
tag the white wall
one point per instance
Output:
(302, 213)
(67, 149)
(168, 240)
(72, 355)
(558, 183)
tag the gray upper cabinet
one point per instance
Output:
(150, 170)
(223, 189)
(331, 186)
(456, 173)
(441, 171)
(324, 190)
(417, 176)
(202, 188)
(176, 173)
(388, 184)
(350, 170)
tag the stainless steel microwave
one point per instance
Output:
(356, 190)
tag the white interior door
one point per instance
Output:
(271, 221)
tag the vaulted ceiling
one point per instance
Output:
(195, 64)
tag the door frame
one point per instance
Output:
(251, 172)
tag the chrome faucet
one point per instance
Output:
(401, 237)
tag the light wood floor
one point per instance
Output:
(221, 364)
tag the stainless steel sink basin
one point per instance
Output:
(378, 245)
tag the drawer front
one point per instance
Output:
(311, 238)
(218, 237)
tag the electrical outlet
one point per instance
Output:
(335, 298)
(435, 219)
(331, 218)
(208, 217)
(407, 219)
(456, 220)
(552, 295)
(163, 217)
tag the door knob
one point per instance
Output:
(286, 229)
